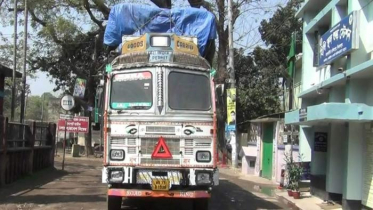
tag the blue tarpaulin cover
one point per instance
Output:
(136, 19)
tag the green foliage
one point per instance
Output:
(256, 89)
(42, 108)
(260, 74)
(294, 171)
(276, 32)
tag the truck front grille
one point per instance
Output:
(189, 142)
(118, 141)
(131, 141)
(160, 161)
(160, 129)
(188, 151)
(148, 145)
(131, 150)
(203, 144)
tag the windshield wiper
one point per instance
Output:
(121, 111)
(139, 107)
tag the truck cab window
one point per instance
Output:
(187, 91)
(132, 91)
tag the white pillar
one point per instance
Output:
(335, 158)
(354, 162)
(306, 136)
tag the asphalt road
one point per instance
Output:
(79, 187)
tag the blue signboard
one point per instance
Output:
(321, 142)
(231, 127)
(340, 39)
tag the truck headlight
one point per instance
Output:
(116, 175)
(117, 154)
(203, 177)
(203, 156)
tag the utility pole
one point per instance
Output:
(42, 108)
(13, 104)
(23, 95)
(232, 82)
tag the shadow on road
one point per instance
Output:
(29, 183)
(238, 196)
(79, 187)
(79, 183)
(49, 199)
(231, 194)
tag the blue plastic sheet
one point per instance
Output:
(136, 19)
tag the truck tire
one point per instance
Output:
(201, 204)
(114, 202)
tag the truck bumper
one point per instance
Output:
(158, 194)
(177, 176)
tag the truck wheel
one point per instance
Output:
(201, 204)
(114, 202)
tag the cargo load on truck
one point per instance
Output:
(136, 19)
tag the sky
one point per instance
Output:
(42, 82)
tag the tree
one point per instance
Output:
(6, 58)
(276, 33)
(8, 98)
(260, 73)
(258, 87)
(40, 108)
(34, 109)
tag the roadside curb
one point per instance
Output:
(260, 182)
(286, 201)
(256, 180)
(306, 202)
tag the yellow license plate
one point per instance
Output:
(161, 184)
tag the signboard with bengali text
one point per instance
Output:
(303, 115)
(340, 39)
(76, 125)
(66, 117)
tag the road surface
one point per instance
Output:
(79, 187)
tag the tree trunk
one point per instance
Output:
(91, 96)
(88, 138)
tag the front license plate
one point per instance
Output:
(161, 184)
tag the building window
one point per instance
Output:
(252, 163)
(290, 135)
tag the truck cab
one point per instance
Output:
(157, 115)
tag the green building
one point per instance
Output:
(336, 112)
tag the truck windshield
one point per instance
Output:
(132, 91)
(188, 91)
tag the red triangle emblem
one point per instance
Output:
(161, 150)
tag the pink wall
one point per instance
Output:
(246, 169)
(280, 162)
